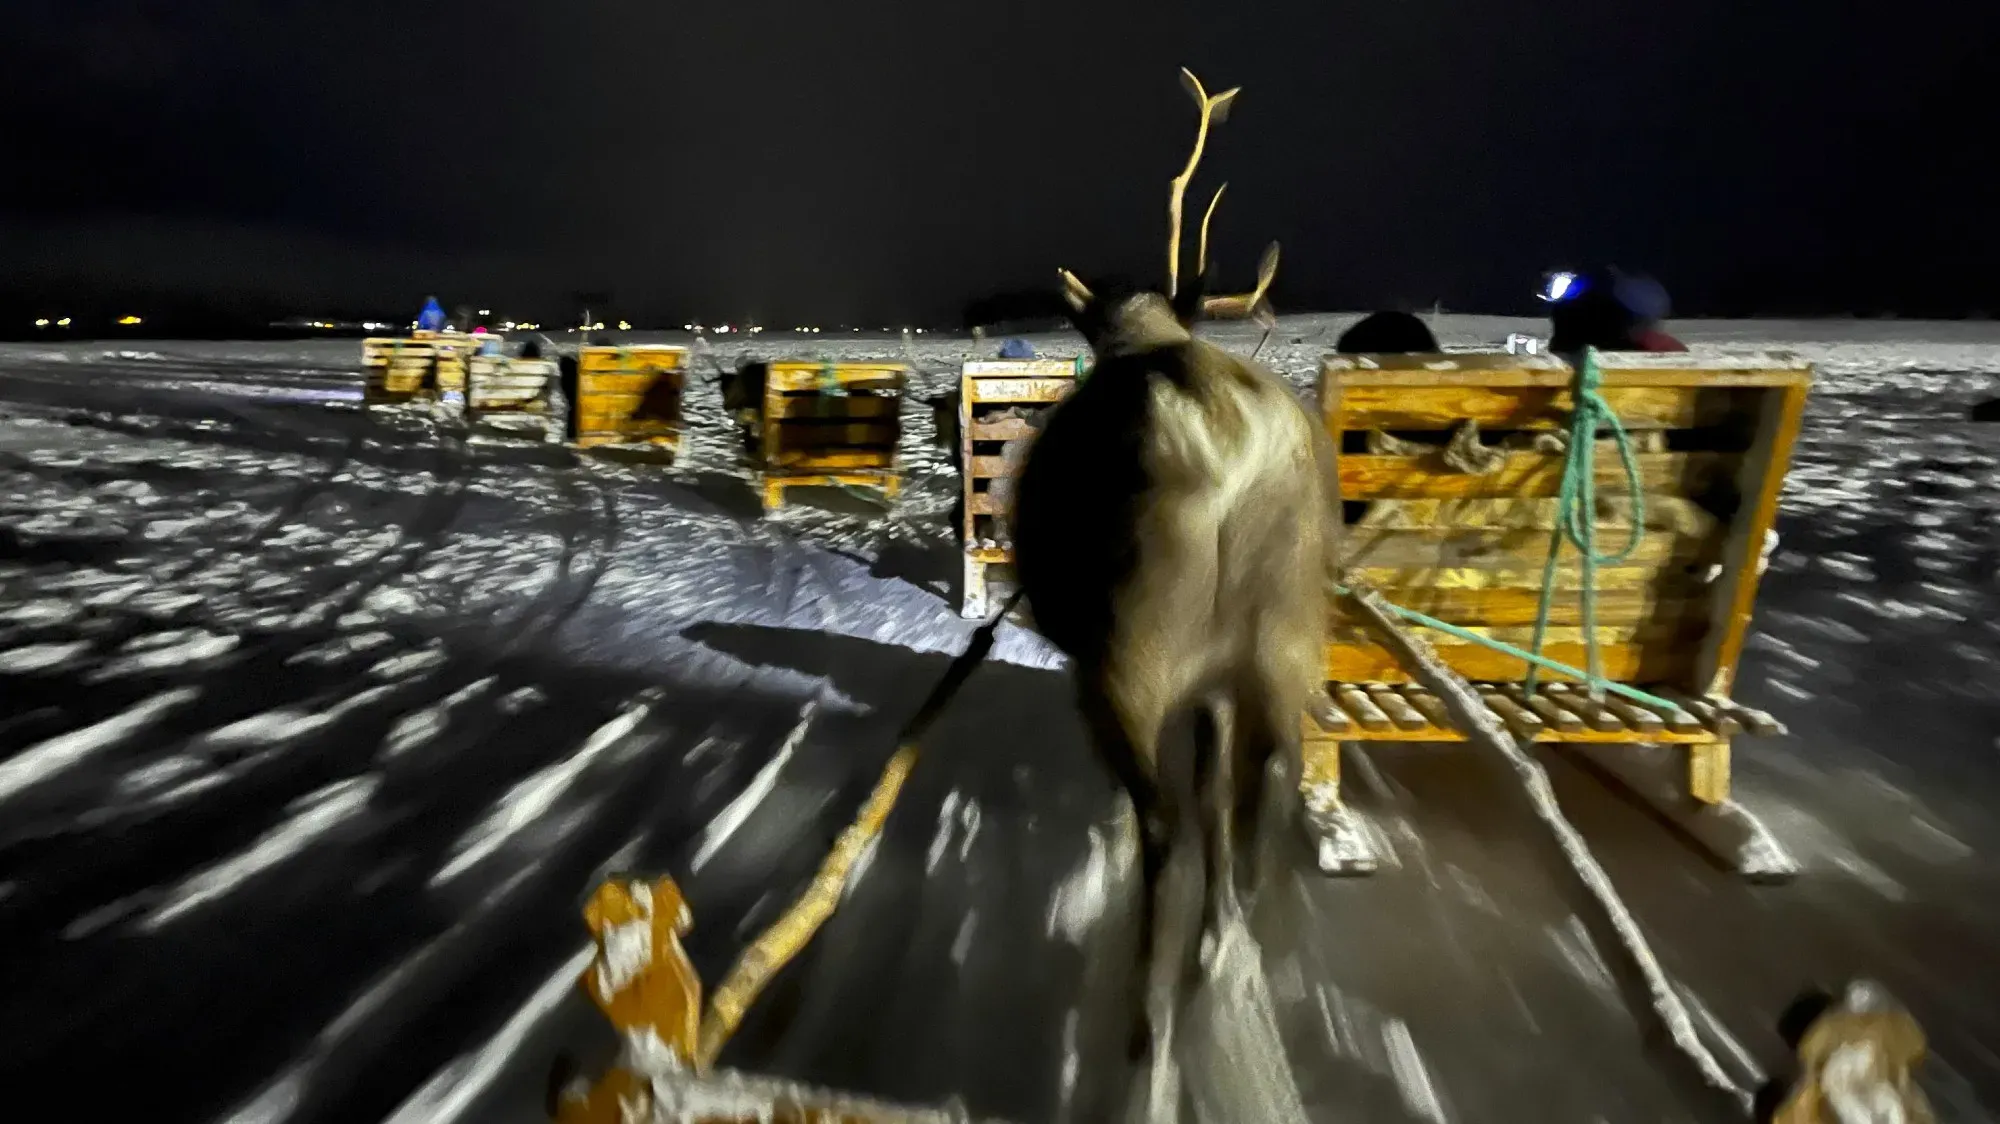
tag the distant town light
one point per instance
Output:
(63, 323)
(42, 323)
(485, 312)
(624, 325)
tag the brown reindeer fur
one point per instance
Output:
(1172, 526)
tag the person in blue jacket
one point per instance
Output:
(431, 319)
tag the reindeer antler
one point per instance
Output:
(1201, 253)
(1242, 306)
(1214, 110)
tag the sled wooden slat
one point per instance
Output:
(1520, 474)
(1538, 408)
(1716, 434)
(800, 407)
(993, 445)
(397, 370)
(1009, 429)
(1483, 549)
(1662, 512)
(1505, 607)
(630, 396)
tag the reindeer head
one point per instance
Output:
(1118, 319)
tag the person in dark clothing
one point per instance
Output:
(1609, 310)
(1388, 333)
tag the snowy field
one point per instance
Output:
(316, 728)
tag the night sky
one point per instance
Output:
(886, 162)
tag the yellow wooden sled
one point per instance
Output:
(830, 424)
(1450, 466)
(630, 397)
(998, 398)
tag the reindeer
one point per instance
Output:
(1173, 527)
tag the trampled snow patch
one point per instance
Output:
(533, 798)
(32, 658)
(40, 763)
(453, 1091)
(313, 816)
(733, 815)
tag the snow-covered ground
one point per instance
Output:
(315, 729)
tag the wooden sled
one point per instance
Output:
(628, 400)
(829, 424)
(426, 367)
(1455, 523)
(999, 404)
(513, 396)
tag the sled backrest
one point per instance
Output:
(832, 417)
(629, 395)
(1463, 535)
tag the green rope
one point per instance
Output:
(1082, 364)
(829, 380)
(1576, 513)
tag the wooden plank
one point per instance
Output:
(1401, 714)
(591, 383)
(832, 459)
(1405, 584)
(989, 503)
(1546, 735)
(605, 361)
(1619, 370)
(1637, 717)
(593, 440)
(1030, 391)
(1595, 714)
(1360, 707)
(1518, 719)
(1626, 663)
(814, 434)
(1325, 717)
(1543, 708)
(1756, 721)
(1501, 607)
(995, 468)
(1614, 514)
(1543, 408)
(1006, 429)
(1521, 636)
(982, 369)
(1428, 705)
(835, 406)
(1760, 480)
(1714, 717)
(788, 379)
(1674, 718)
(1389, 548)
(1365, 477)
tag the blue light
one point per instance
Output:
(1561, 287)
